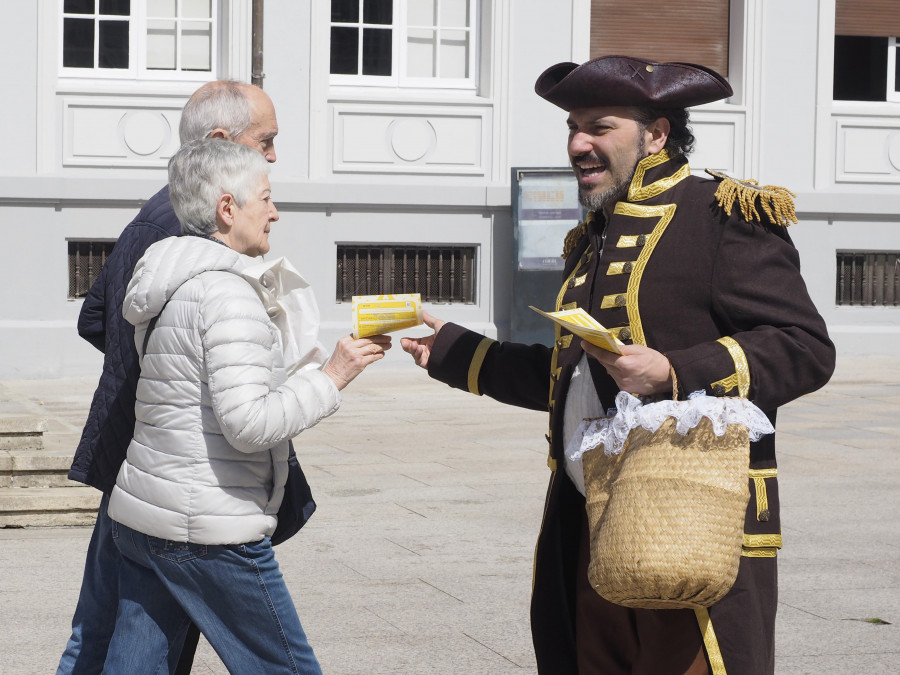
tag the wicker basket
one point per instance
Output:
(666, 516)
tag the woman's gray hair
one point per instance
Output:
(222, 104)
(204, 170)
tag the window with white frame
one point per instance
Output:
(866, 55)
(139, 39)
(404, 43)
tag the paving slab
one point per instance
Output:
(419, 558)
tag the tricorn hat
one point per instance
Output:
(629, 81)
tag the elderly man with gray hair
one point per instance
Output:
(224, 109)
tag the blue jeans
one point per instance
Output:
(235, 594)
(98, 601)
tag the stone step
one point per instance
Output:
(33, 468)
(34, 488)
(21, 432)
(40, 426)
(46, 506)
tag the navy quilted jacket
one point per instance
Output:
(110, 423)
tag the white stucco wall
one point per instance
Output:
(782, 128)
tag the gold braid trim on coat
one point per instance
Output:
(575, 234)
(777, 202)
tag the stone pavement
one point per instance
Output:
(419, 557)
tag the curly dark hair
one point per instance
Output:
(680, 140)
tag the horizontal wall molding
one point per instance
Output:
(872, 205)
(875, 202)
(105, 192)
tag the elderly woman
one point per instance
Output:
(228, 377)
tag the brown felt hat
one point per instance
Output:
(629, 81)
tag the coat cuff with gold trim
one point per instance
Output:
(719, 368)
(457, 356)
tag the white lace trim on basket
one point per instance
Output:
(611, 432)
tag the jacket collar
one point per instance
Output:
(657, 174)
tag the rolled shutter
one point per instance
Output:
(695, 31)
(867, 18)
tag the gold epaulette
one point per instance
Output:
(777, 202)
(574, 235)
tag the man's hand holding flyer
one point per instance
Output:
(585, 326)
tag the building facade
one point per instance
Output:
(403, 127)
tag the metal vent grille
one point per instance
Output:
(86, 259)
(868, 278)
(443, 274)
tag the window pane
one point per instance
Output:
(454, 54)
(115, 7)
(420, 53)
(421, 12)
(161, 45)
(196, 9)
(455, 13)
(860, 68)
(344, 51)
(344, 11)
(113, 44)
(897, 68)
(378, 11)
(78, 43)
(78, 7)
(162, 9)
(196, 46)
(376, 51)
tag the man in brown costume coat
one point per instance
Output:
(699, 278)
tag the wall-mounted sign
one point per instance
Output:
(546, 208)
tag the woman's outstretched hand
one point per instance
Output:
(351, 357)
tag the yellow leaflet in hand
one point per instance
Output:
(378, 314)
(582, 324)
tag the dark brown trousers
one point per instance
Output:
(614, 640)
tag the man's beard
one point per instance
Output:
(618, 191)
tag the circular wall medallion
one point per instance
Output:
(411, 139)
(145, 132)
(894, 151)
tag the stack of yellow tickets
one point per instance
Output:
(585, 326)
(378, 314)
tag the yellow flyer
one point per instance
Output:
(378, 314)
(585, 326)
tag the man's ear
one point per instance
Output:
(218, 132)
(225, 210)
(658, 133)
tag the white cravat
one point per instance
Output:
(582, 403)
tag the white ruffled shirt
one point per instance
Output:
(582, 404)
